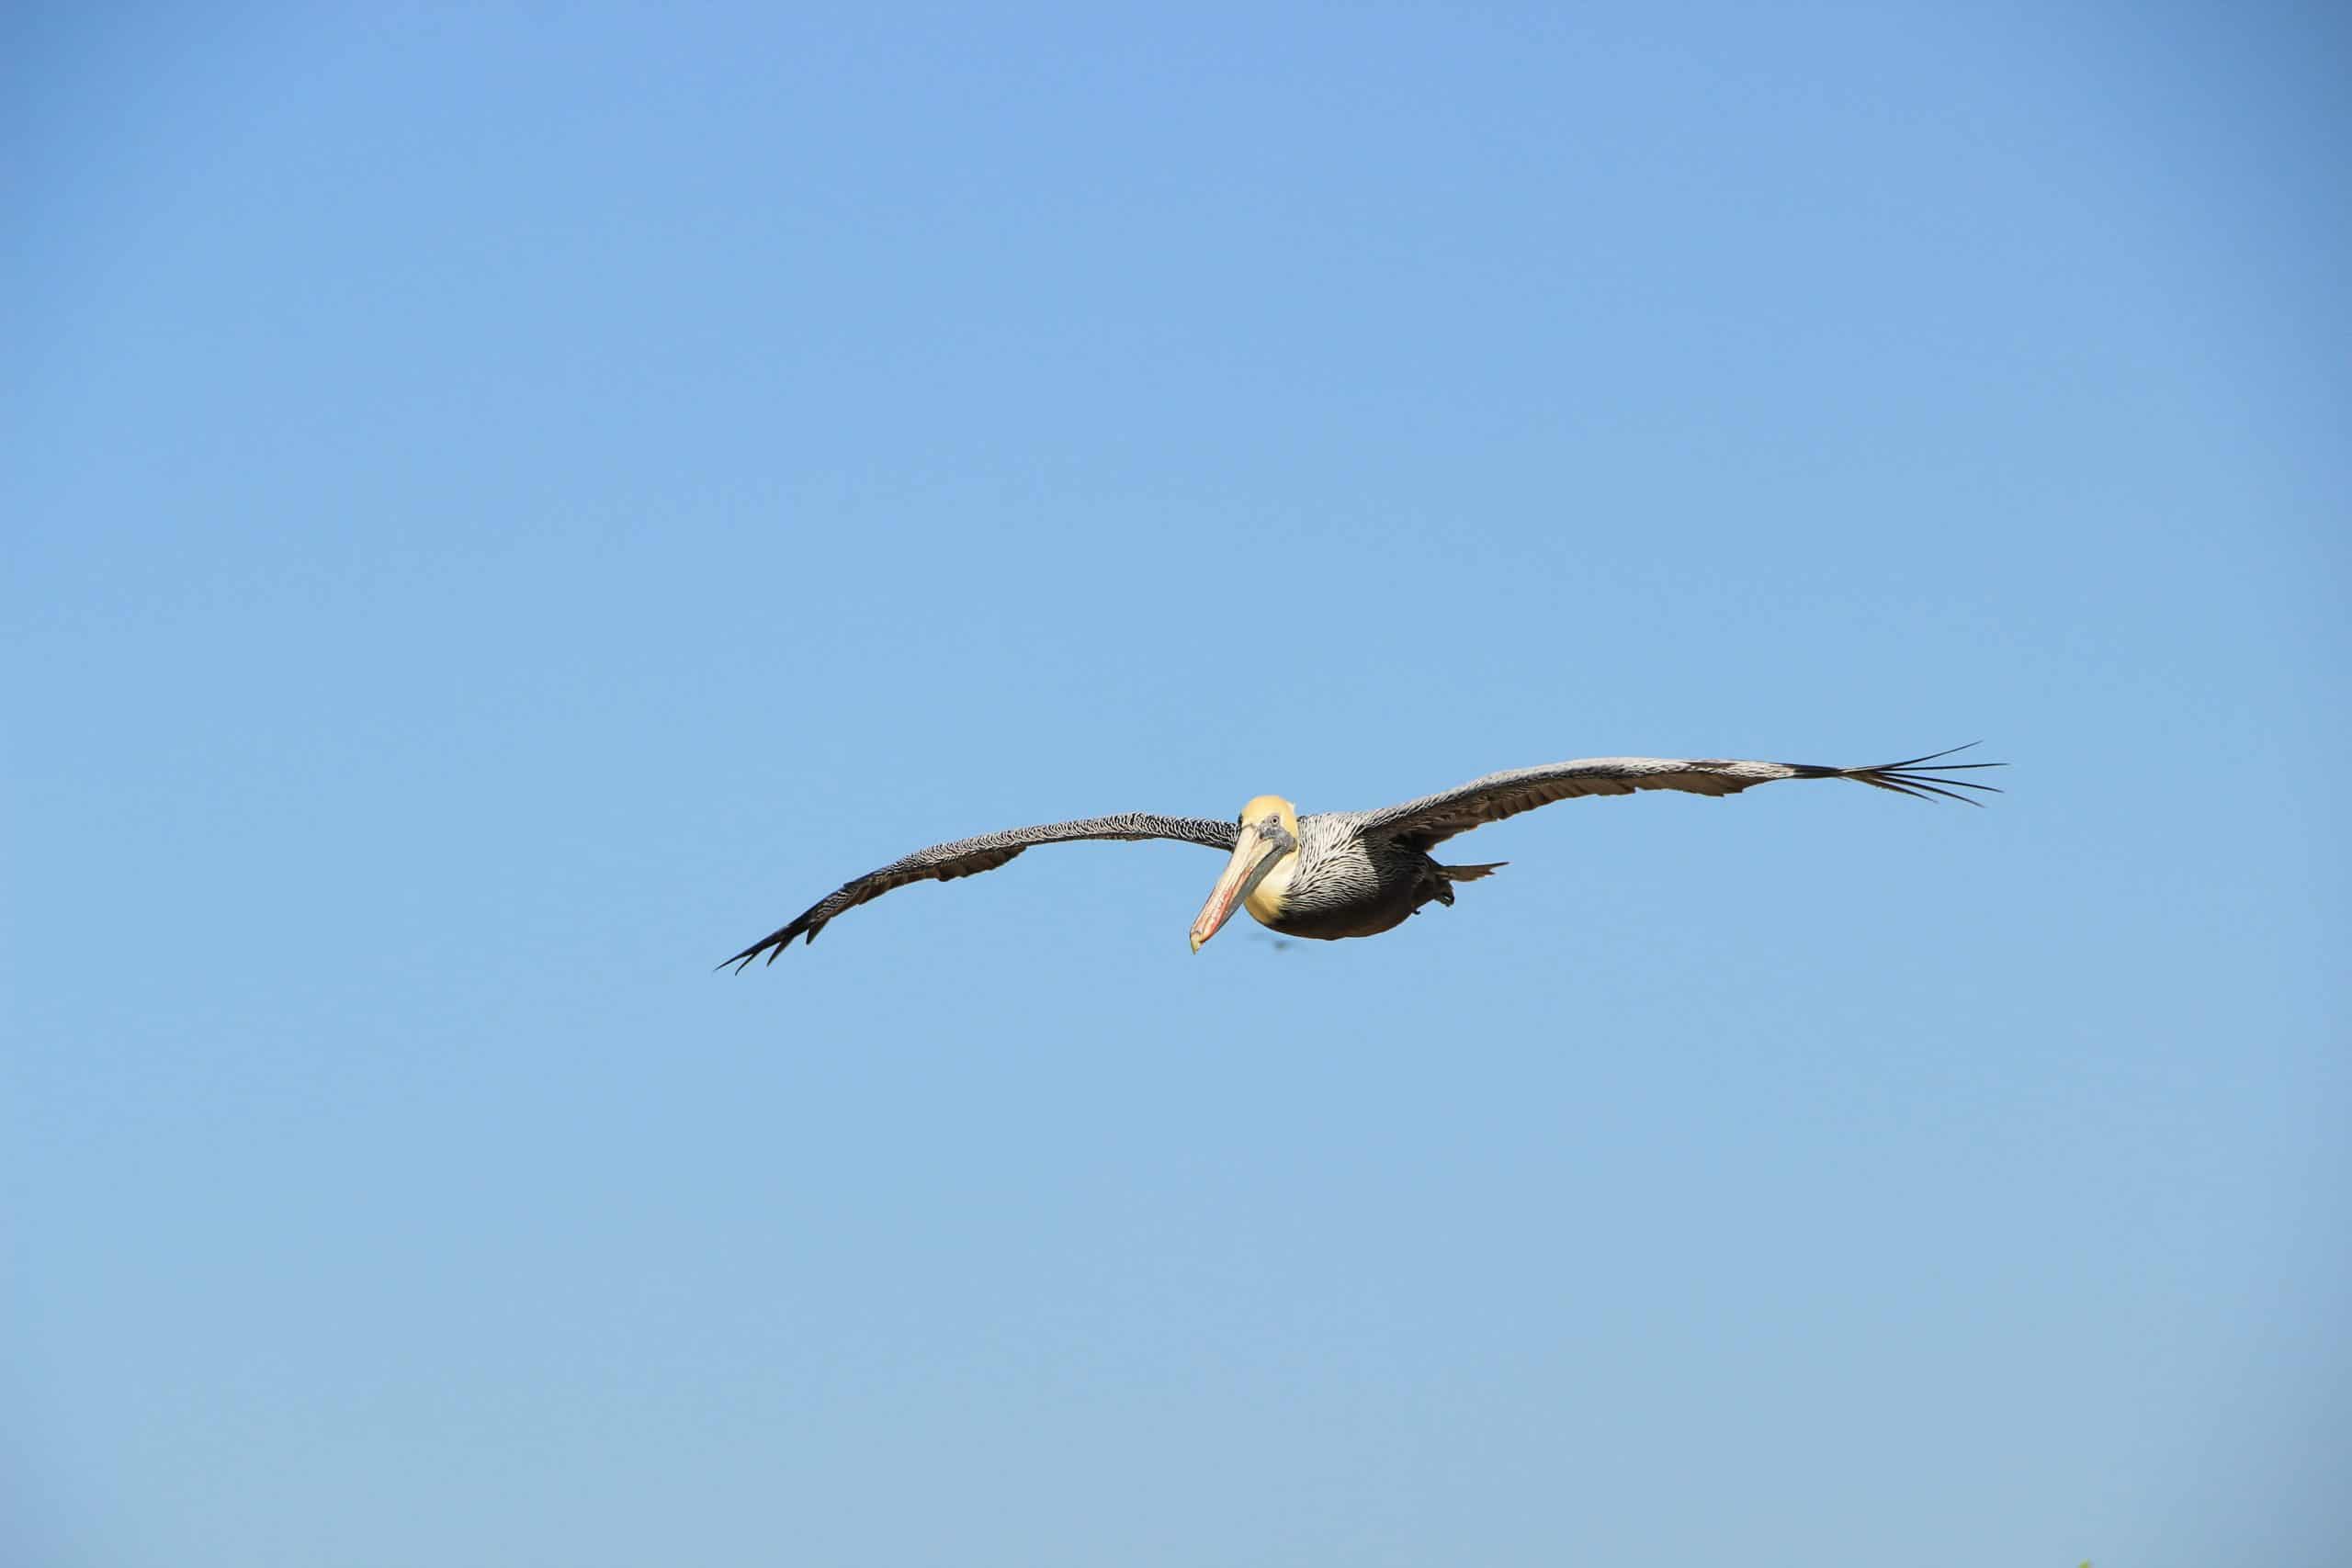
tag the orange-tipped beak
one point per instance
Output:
(1254, 855)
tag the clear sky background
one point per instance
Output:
(505, 506)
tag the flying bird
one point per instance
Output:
(1339, 873)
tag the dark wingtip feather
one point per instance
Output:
(1947, 751)
(1922, 777)
(772, 944)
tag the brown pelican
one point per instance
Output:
(1337, 873)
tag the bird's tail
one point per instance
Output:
(1471, 873)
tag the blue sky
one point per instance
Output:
(509, 504)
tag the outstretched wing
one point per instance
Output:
(1418, 824)
(968, 857)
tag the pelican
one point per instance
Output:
(1341, 874)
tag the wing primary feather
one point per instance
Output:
(1925, 774)
(1947, 751)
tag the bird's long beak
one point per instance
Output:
(1254, 855)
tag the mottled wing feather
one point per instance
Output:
(1418, 824)
(968, 857)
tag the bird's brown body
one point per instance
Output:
(1344, 883)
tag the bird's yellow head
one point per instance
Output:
(1265, 852)
(1264, 807)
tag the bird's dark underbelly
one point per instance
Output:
(1383, 911)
